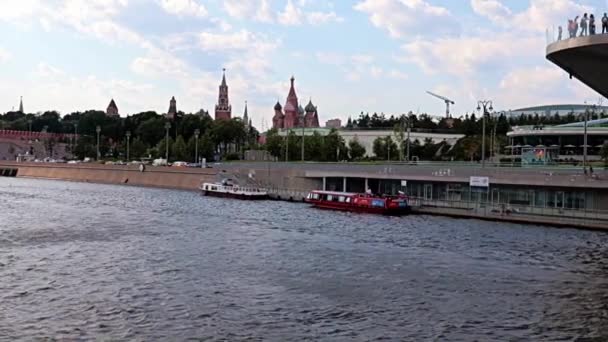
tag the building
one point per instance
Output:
(561, 110)
(563, 142)
(112, 109)
(333, 123)
(366, 137)
(292, 115)
(223, 109)
(246, 120)
(172, 112)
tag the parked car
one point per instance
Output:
(160, 162)
(180, 164)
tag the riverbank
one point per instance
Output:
(158, 177)
(293, 183)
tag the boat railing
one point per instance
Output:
(216, 187)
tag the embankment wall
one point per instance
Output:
(186, 179)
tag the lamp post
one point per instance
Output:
(486, 105)
(128, 140)
(98, 130)
(167, 128)
(287, 145)
(302, 123)
(409, 129)
(197, 132)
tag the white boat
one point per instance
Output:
(230, 190)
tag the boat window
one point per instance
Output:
(330, 197)
(341, 199)
(315, 196)
(347, 199)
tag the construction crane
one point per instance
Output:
(447, 101)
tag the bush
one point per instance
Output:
(232, 156)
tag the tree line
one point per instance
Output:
(226, 138)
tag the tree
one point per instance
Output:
(151, 131)
(179, 150)
(379, 147)
(604, 153)
(274, 143)
(137, 149)
(161, 148)
(357, 151)
(334, 147)
(314, 147)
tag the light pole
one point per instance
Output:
(287, 145)
(302, 139)
(98, 130)
(409, 129)
(128, 140)
(167, 128)
(585, 141)
(197, 132)
(486, 105)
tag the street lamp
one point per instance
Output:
(409, 130)
(197, 132)
(128, 150)
(98, 130)
(486, 105)
(167, 127)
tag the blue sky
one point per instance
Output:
(348, 56)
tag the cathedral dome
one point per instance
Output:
(278, 106)
(310, 107)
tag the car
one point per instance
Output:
(193, 165)
(74, 162)
(180, 164)
(160, 162)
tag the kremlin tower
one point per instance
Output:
(223, 109)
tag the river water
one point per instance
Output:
(82, 261)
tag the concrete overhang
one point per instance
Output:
(583, 58)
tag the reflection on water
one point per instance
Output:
(82, 261)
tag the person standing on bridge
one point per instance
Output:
(591, 25)
(583, 25)
(559, 33)
(605, 23)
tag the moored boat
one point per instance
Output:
(228, 189)
(363, 203)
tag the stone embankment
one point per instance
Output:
(161, 177)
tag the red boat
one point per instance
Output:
(363, 203)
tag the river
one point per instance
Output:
(87, 261)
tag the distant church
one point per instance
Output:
(223, 109)
(293, 115)
(112, 109)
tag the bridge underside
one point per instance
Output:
(584, 58)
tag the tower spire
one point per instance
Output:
(224, 77)
(21, 104)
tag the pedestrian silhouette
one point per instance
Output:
(605, 23)
(591, 24)
(583, 25)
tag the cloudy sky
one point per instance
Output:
(347, 55)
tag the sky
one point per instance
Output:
(346, 56)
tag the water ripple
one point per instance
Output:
(84, 261)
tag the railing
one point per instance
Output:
(572, 215)
(553, 35)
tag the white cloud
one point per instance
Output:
(403, 18)
(317, 18)
(539, 16)
(240, 40)
(258, 10)
(291, 15)
(492, 9)
(4, 55)
(184, 8)
(44, 70)
(398, 75)
(468, 55)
